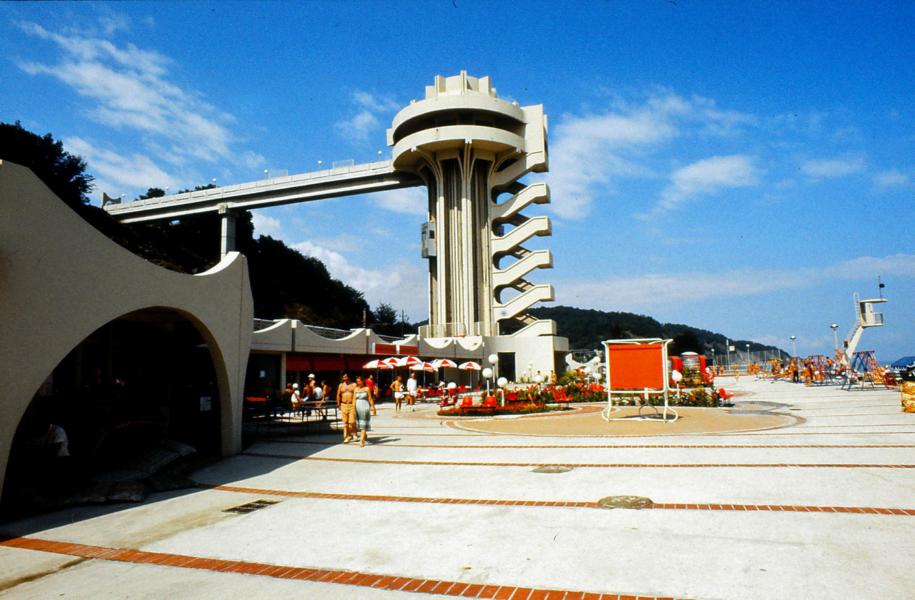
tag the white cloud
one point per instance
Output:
(128, 88)
(345, 242)
(375, 103)
(134, 170)
(368, 117)
(833, 167)
(589, 153)
(402, 285)
(891, 178)
(703, 177)
(113, 23)
(252, 160)
(359, 126)
(671, 289)
(264, 225)
(409, 201)
(900, 265)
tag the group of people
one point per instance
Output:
(401, 391)
(808, 370)
(311, 395)
(356, 402)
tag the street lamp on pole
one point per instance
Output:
(494, 361)
(835, 336)
(748, 354)
(793, 339)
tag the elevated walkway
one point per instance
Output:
(329, 183)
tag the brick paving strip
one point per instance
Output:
(910, 512)
(441, 463)
(354, 578)
(592, 446)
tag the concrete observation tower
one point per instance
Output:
(471, 148)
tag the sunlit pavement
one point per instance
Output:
(821, 509)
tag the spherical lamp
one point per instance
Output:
(502, 382)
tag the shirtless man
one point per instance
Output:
(346, 402)
(397, 388)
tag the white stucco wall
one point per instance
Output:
(60, 280)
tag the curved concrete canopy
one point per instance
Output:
(61, 280)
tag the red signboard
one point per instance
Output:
(636, 366)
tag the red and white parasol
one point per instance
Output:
(408, 361)
(390, 361)
(376, 364)
(469, 366)
(423, 366)
(439, 363)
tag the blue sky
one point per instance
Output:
(741, 167)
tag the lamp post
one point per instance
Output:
(502, 382)
(487, 374)
(748, 355)
(793, 339)
(494, 361)
(835, 336)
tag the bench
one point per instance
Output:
(321, 410)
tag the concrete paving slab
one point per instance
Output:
(382, 524)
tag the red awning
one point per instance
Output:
(298, 362)
(328, 363)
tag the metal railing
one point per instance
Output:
(263, 324)
(872, 319)
(330, 332)
(439, 330)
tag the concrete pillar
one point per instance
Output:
(227, 231)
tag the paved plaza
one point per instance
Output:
(823, 507)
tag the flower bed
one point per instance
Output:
(510, 408)
(545, 398)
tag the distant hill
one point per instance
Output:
(587, 328)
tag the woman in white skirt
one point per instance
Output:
(365, 408)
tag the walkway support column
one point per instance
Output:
(227, 233)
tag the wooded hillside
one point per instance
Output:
(586, 328)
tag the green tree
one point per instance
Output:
(152, 192)
(686, 341)
(385, 314)
(586, 328)
(64, 173)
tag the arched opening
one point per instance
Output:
(126, 412)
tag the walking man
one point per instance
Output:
(411, 390)
(346, 400)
